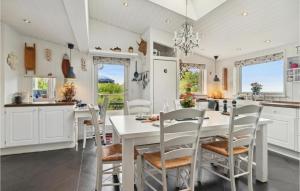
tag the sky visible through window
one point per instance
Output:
(112, 71)
(270, 75)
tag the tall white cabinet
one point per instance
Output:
(164, 83)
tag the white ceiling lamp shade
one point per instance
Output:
(186, 40)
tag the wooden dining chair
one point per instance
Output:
(101, 122)
(241, 137)
(138, 106)
(106, 155)
(178, 148)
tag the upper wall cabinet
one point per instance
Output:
(162, 50)
(292, 52)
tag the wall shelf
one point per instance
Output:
(109, 53)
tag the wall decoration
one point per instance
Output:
(98, 48)
(225, 79)
(83, 64)
(65, 66)
(143, 47)
(12, 60)
(48, 54)
(29, 58)
(261, 59)
(130, 49)
(116, 49)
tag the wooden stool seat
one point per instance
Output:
(89, 122)
(221, 147)
(114, 152)
(155, 160)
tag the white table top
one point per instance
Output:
(84, 109)
(129, 127)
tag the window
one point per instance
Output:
(269, 74)
(192, 76)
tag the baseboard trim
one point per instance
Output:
(36, 148)
(284, 152)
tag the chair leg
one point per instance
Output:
(164, 180)
(99, 176)
(231, 173)
(199, 170)
(250, 161)
(177, 178)
(84, 136)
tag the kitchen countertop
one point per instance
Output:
(39, 104)
(286, 104)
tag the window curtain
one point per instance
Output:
(102, 60)
(259, 60)
(185, 67)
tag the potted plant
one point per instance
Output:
(255, 88)
(187, 99)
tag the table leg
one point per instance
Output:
(76, 122)
(128, 164)
(262, 154)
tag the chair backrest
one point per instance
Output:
(93, 112)
(243, 125)
(103, 109)
(212, 104)
(181, 133)
(177, 104)
(138, 106)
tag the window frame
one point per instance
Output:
(275, 94)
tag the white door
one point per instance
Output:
(21, 126)
(53, 127)
(164, 83)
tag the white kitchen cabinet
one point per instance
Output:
(38, 125)
(283, 129)
(21, 126)
(55, 124)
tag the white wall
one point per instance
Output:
(12, 43)
(107, 36)
(101, 33)
(229, 63)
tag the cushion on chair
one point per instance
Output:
(221, 147)
(154, 159)
(89, 122)
(114, 152)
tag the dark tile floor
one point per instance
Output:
(68, 170)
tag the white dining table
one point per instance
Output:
(133, 133)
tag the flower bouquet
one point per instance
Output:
(187, 99)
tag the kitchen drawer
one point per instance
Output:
(290, 112)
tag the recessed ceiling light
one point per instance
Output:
(125, 3)
(244, 13)
(27, 21)
(168, 21)
(267, 41)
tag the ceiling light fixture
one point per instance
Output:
(27, 21)
(216, 78)
(185, 40)
(244, 13)
(268, 41)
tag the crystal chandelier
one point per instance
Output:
(185, 40)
